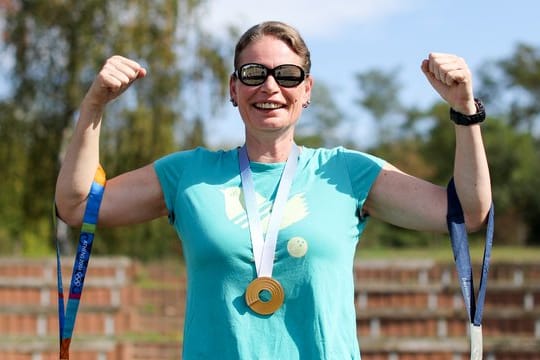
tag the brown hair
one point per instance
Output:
(280, 31)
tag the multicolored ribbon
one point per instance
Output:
(66, 316)
(462, 257)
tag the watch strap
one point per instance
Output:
(462, 119)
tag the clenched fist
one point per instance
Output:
(114, 78)
(451, 78)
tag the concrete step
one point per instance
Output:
(46, 348)
(384, 295)
(153, 351)
(447, 348)
(39, 321)
(431, 272)
(405, 310)
(100, 267)
(446, 322)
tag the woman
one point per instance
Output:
(269, 230)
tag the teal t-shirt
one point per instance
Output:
(314, 253)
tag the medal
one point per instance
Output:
(264, 295)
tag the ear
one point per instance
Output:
(308, 85)
(232, 87)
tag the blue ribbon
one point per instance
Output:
(67, 316)
(460, 247)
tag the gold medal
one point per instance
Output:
(258, 287)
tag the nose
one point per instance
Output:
(270, 84)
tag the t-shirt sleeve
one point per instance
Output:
(363, 171)
(169, 170)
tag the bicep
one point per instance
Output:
(407, 201)
(132, 198)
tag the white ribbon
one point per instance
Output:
(264, 250)
(476, 342)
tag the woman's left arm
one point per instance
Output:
(471, 175)
(413, 203)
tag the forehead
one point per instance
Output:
(270, 52)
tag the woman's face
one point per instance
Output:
(268, 107)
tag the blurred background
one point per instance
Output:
(369, 95)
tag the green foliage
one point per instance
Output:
(59, 47)
(511, 89)
(320, 120)
(379, 95)
(514, 160)
(33, 243)
(12, 156)
(156, 239)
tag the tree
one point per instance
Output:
(379, 95)
(59, 46)
(511, 87)
(511, 143)
(514, 82)
(322, 119)
(400, 143)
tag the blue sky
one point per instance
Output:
(348, 37)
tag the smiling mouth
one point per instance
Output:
(268, 106)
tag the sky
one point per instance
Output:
(349, 37)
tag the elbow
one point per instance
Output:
(474, 226)
(69, 211)
(70, 217)
(476, 210)
(478, 220)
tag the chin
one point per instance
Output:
(270, 122)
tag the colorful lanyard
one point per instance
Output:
(66, 317)
(462, 257)
(264, 250)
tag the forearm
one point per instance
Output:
(471, 175)
(82, 156)
(79, 165)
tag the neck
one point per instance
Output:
(273, 151)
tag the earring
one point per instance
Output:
(306, 104)
(233, 102)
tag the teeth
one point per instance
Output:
(268, 106)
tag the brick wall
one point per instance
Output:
(414, 310)
(405, 310)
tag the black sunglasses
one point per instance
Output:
(287, 75)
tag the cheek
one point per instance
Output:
(297, 104)
(294, 98)
(300, 96)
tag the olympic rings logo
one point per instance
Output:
(78, 278)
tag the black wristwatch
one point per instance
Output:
(461, 119)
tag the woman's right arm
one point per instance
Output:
(129, 198)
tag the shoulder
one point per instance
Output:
(172, 167)
(196, 156)
(340, 154)
(352, 169)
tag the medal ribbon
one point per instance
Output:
(460, 247)
(66, 317)
(264, 250)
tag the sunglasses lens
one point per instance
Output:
(289, 75)
(252, 74)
